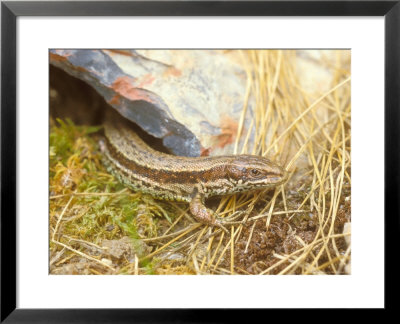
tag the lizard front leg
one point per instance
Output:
(201, 212)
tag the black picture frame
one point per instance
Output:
(9, 13)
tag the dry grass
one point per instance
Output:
(296, 229)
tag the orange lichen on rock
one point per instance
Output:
(116, 100)
(228, 134)
(147, 79)
(123, 86)
(57, 57)
(172, 71)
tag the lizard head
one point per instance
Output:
(249, 172)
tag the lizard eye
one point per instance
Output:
(255, 172)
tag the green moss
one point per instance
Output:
(150, 266)
(101, 208)
(63, 137)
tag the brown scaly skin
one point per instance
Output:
(178, 178)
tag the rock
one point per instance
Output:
(191, 99)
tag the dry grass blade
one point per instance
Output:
(309, 130)
(190, 229)
(84, 255)
(60, 217)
